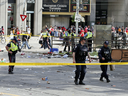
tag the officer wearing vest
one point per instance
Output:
(105, 57)
(12, 49)
(79, 56)
(88, 36)
(45, 39)
(73, 35)
(66, 40)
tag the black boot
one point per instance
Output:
(108, 80)
(76, 82)
(101, 79)
(81, 83)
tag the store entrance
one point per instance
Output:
(30, 22)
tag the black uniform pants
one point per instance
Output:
(104, 71)
(90, 44)
(67, 44)
(11, 60)
(80, 71)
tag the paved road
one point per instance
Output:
(27, 80)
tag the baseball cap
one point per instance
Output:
(106, 42)
(15, 39)
(82, 38)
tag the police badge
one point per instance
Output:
(54, 1)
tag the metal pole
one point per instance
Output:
(77, 13)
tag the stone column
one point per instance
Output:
(38, 17)
(20, 5)
(93, 11)
(4, 14)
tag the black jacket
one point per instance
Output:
(104, 52)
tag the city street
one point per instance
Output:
(27, 80)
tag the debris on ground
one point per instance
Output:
(65, 56)
(45, 79)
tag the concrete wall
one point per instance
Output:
(3, 14)
(117, 12)
(19, 10)
(58, 21)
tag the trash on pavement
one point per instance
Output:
(113, 85)
(45, 79)
(23, 53)
(65, 56)
(48, 82)
(87, 88)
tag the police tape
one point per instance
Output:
(42, 36)
(64, 64)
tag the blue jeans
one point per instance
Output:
(80, 71)
(56, 34)
(25, 42)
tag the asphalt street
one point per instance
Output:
(27, 80)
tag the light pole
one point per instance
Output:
(77, 13)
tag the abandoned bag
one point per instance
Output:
(112, 67)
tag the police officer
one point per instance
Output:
(88, 35)
(104, 56)
(12, 49)
(66, 40)
(79, 56)
(73, 39)
(45, 39)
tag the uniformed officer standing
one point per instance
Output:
(105, 57)
(12, 49)
(79, 56)
(66, 40)
(73, 39)
(45, 39)
(88, 36)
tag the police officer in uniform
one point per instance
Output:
(12, 49)
(73, 39)
(45, 39)
(104, 56)
(79, 56)
(88, 36)
(66, 40)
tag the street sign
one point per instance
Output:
(79, 18)
(23, 17)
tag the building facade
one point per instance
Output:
(59, 12)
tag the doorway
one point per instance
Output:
(30, 22)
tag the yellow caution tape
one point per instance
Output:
(47, 64)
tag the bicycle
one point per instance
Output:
(2, 39)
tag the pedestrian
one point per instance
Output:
(25, 41)
(41, 39)
(12, 49)
(2, 30)
(88, 36)
(105, 57)
(79, 56)
(124, 37)
(29, 32)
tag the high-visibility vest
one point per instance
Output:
(66, 34)
(89, 35)
(44, 35)
(13, 47)
(73, 34)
